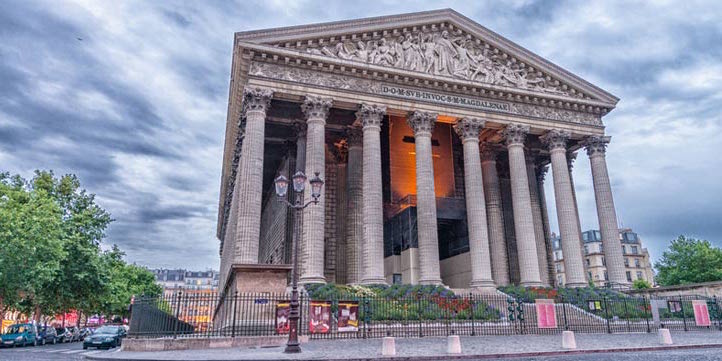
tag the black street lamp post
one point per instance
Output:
(299, 184)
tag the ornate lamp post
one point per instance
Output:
(299, 184)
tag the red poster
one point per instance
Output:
(319, 320)
(347, 316)
(701, 313)
(283, 312)
(546, 314)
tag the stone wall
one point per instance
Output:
(272, 247)
(329, 256)
(708, 289)
(456, 270)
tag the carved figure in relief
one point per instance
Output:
(439, 53)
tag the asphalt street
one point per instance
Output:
(60, 352)
(710, 354)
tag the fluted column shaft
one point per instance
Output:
(250, 176)
(569, 231)
(495, 218)
(541, 173)
(423, 124)
(521, 203)
(607, 214)
(371, 117)
(537, 219)
(354, 219)
(481, 277)
(316, 110)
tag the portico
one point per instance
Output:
(433, 135)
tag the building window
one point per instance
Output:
(586, 249)
(585, 236)
(598, 235)
(636, 263)
(589, 262)
(606, 276)
(635, 250)
(601, 247)
(629, 276)
(589, 275)
(560, 282)
(626, 262)
(604, 261)
(397, 278)
(639, 275)
(559, 268)
(624, 250)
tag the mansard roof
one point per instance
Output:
(441, 43)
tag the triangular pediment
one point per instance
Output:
(441, 43)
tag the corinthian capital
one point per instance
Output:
(422, 122)
(469, 128)
(256, 99)
(354, 136)
(489, 151)
(316, 107)
(515, 134)
(596, 145)
(371, 115)
(556, 139)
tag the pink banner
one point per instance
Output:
(701, 313)
(546, 314)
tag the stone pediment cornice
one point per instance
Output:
(442, 44)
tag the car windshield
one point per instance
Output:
(107, 329)
(59, 329)
(17, 329)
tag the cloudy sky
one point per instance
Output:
(132, 97)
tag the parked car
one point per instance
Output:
(85, 332)
(105, 337)
(47, 334)
(64, 334)
(21, 334)
(75, 333)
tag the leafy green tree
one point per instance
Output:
(125, 281)
(30, 244)
(640, 284)
(689, 260)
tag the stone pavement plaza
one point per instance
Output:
(432, 348)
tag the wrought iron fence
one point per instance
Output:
(414, 315)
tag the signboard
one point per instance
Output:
(347, 316)
(283, 312)
(546, 313)
(701, 313)
(674, 306)
(594, 305)
(319, 320)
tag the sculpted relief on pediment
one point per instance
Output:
(446, 54)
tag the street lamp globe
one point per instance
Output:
(281, 186)
(316, 184)
(299, 182)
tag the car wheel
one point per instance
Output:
(85, 347)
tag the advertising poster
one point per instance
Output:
(701, 313)
(347, 316)
(546, 313)
(674, 306)
(283, 311)
(319, 317)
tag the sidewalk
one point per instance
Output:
(434, 348)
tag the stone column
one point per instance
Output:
(371, 117)
(515, 135)
(571, 157)
(596, 149)
(537, 217)
(541, 174)
(494, 212)
(422, 124)
(250, 176)
(481, 278)
(300, 128)
(316, 110)
(354, 219)
(569, 231)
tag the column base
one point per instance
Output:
(576, 285)
(373, 281)
(531, 284)
(483, 286)
(434, 282)
(311, 279)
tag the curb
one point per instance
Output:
(458, 357)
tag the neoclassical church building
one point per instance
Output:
(434, 136)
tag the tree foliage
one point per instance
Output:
(640, 284)
(689, 260)
(50, 250)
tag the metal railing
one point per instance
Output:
(411, 315)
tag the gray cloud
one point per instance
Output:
(137, 107)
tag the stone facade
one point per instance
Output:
(406, 199)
